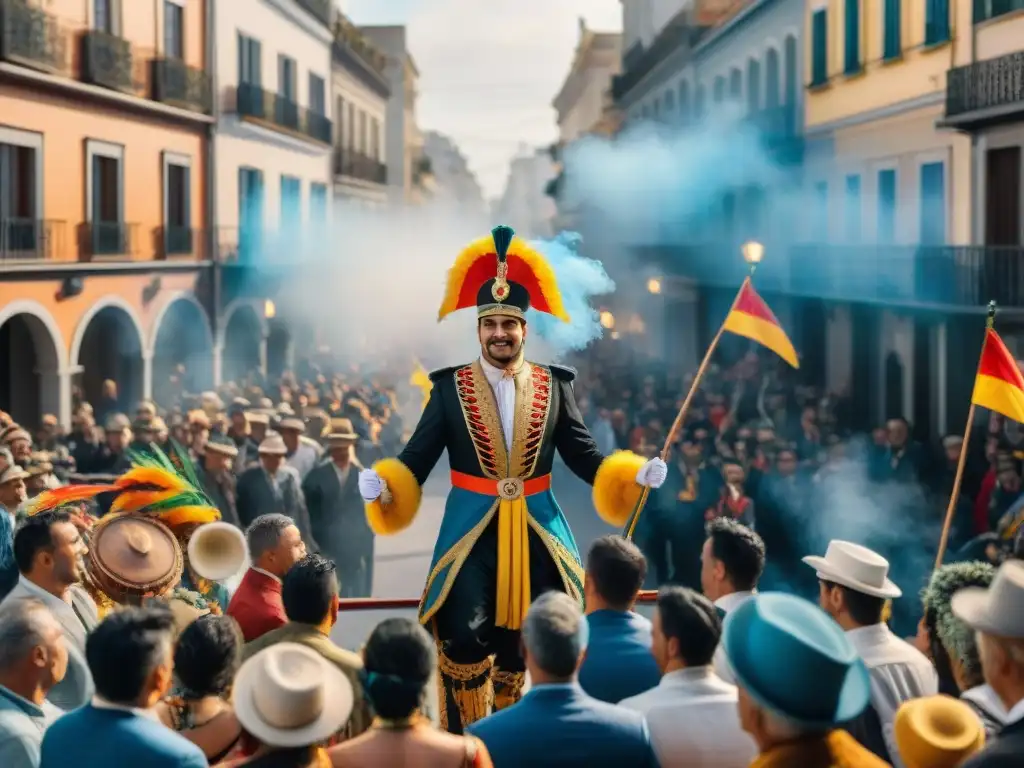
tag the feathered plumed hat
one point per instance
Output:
(953, 633)
(502, 275)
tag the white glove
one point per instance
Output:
(371, 485)
(652, 474)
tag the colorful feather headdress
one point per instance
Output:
(158, 485)
(502, 275)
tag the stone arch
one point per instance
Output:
(110, 343)
(190, 298)
(181, 335)
(29, 333)
(242, 339)
(234, 306)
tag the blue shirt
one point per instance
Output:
(8, 568)
(618, 663)
(22, 724)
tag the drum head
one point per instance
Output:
(134, 555)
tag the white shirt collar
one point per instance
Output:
(1016, 713)
(101, 703)
(873, 634)
(687, 675)
(266, 573)
(492, 372)
(734, 600)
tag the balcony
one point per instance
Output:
(176, 83)
(985, 93)
(358, 166)
(280, 113)
(178, 242)
(106, 239)
(318, 9)
(31, 37)
(31, 240)
(640, 62)
(107, 61)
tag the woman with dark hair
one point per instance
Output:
(206, 658)
(399, 663)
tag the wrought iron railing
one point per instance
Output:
(318, 126)
(176, 83)
(358, 166)
(254, 102)
(319, 9)
(177, 241)
(108, 238)
(31, 37)
(31, 239)
(107, 61)
(986, 84)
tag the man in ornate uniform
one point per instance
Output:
(503, 539)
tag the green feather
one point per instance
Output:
(155, 458)
(502, 239)
(187, 470)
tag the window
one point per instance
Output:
(286, 77)
(250, 213)
(250, 61)
(991, 9)
(892, 44)
(698, 103)
(174, 30)
(684, 102)
(105, 16)
(105, 201)
(670, 104)
(291, 203)
(819, 47)
(362, 133)
(936, 22)
(339, 122)
(753, 85)
(350, 126)
(933, 204)
(852, 218)
(317, 95)
(20, 193)
(772, 79)
(177, 205)
(735, 84)
(718, 94)
(820, 222)
(318, 204)
(886, 229)
(851, 30)
(375, 139)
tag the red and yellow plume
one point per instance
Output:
(479, 262)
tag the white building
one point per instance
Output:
(403, 142)
(360, 92)
(456, 184)
(582, 103)
(273, 142)
(524, 205)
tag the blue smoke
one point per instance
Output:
(579, 279)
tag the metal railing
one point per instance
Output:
(356, 165)
(175, 82)
(986, 84)
(175, 242)
(107, 238)
(107, 61)
(254, 102)
(31, 240)
(31, 37)
(320, 9)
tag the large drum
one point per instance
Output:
(132, 557)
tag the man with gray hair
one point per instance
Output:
(33, 658)
(275, 545)
(566, 727)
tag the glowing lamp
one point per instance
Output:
(753, 252)
(654, 285)
(269, 310)
(607, 319)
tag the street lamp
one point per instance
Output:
(607, 319)
(753, 252)
(654, 285)
(269, 310)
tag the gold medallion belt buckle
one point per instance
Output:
(510, 489)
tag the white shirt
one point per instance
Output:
(341, 473)
(694, 722)
(899, 672)
(728, 603)
(504, 388)
(304, 459)
(1016, 713)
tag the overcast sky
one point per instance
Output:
(489, 69)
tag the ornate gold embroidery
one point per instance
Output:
(533, 406)
(508, 688)
(568, 566)
(470, 686)
(483, 421)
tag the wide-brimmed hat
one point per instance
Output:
(116, 423)
(856, 567)
(292, 423)
(273, 445)
(937, 731)
(12, 473)
(257, 417)
(222, 446)
(823, 681)
(342, 432)
(14, 432)
(238, 405)
(998, 610)
(288, 695)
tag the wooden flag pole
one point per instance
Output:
(666, 449)
(962, 461)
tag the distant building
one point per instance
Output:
(524, 205)
(456, 183)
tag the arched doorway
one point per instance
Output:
(280, 349)
(30, 382)
(243, 349)
(182, 351)
(110, 347)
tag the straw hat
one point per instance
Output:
(288, 695)
(257, 417)
(342, 432)
(936, 732)
(222, 446)
(292, 423)
(273, 445)
(855, 567)
(12, 473)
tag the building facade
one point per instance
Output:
(360, 91)
(457, 187)
(273, 165)
(105, 212)
(524, 200)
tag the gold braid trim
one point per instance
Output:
(470, 686)
(508, 688)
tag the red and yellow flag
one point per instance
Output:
(751, 317)
(999, 385)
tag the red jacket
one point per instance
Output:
(257, 606)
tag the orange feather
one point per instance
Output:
(189, 515)
(152, 476)
(58, 497)
(134, 501)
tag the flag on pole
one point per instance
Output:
(421, 380)
(999, 385)
(750, 317)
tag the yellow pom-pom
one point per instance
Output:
(616, 490)
(405, 491)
